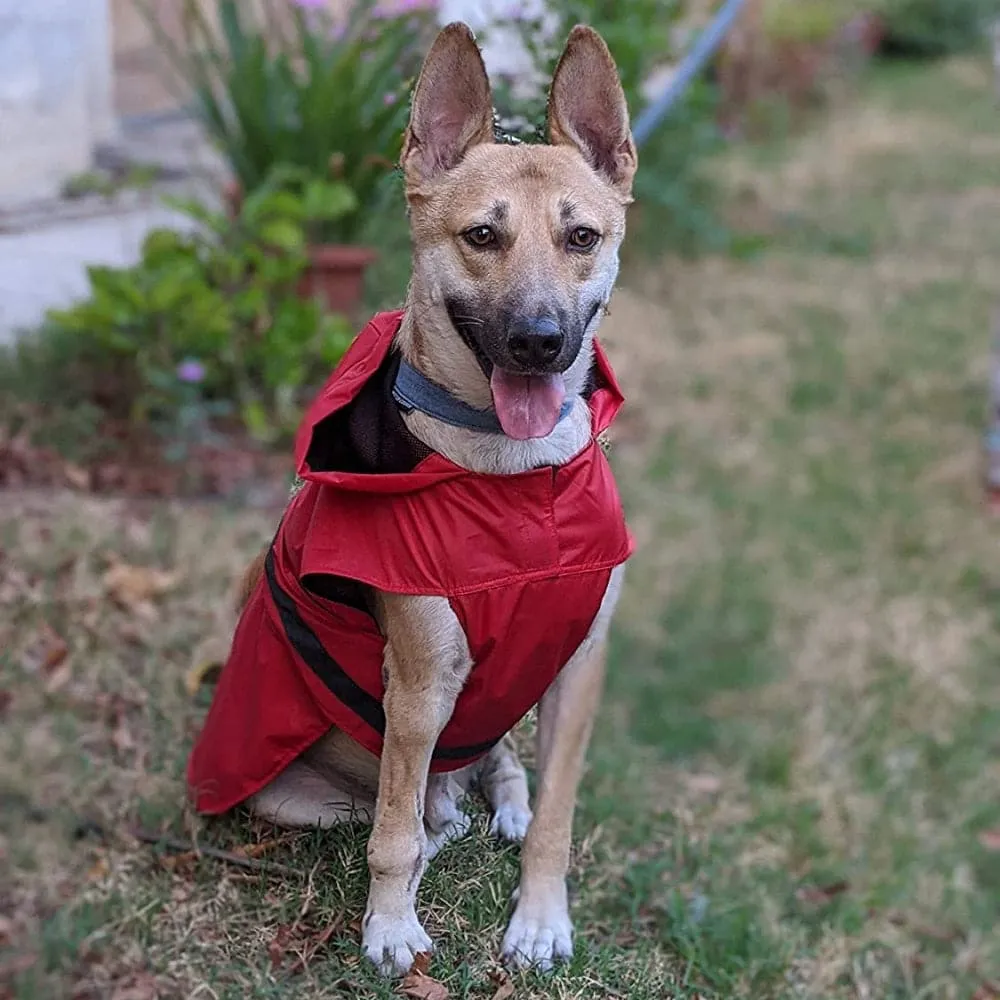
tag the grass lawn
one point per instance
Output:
(794, 788)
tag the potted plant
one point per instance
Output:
(285, 83)
(216, 305)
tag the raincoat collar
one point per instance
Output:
(372, 349)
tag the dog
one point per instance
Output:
(456, 549)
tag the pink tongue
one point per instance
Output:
(528, 405)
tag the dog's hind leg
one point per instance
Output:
(444, 821)
(505, 785)
(300, 796)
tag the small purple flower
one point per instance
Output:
(389, 99)
(309, 4)
(191, 371)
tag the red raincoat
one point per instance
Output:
(523, 560)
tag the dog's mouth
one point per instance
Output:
(527, 406)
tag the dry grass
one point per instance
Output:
(793, 785)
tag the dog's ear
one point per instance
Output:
(587, 109)
(452, 108)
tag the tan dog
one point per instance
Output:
(499, 232)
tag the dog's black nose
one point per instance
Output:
(535, 343)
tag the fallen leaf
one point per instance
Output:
(134, 587)
(6, 930)
(820, 895)
(988, 991)
(205, 672)
(279, 945)
(6, 700)
(260, 849)
(98, 870)
(77, 477)
(59, 678)
(421, 963)
(47, 651)
(420, 986)
(318, 941)
(56, 653)
(181, 864)
(990, 839)
(505, 988)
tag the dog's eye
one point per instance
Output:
(583, 238)
(480, 236)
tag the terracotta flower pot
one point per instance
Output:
(336, 275)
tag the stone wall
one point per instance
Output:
(55, 92)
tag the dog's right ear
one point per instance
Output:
(588, 110)
(452, 108)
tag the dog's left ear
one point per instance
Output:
(452, 108)
(587, 109)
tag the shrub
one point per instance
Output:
(209, 324)
(809, 21)
(927, 28)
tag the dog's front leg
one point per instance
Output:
(540, 930)
(426, 663)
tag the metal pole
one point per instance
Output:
(703, 50)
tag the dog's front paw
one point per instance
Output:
(540, 932)
(392, 943)
(511, 822)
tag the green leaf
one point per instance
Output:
(257, 422)
(194, 209)
(170, 292)
(334, 339)
(266, 203)
(166, 381)
(328, 201)
(283, 234)
(160, 245)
